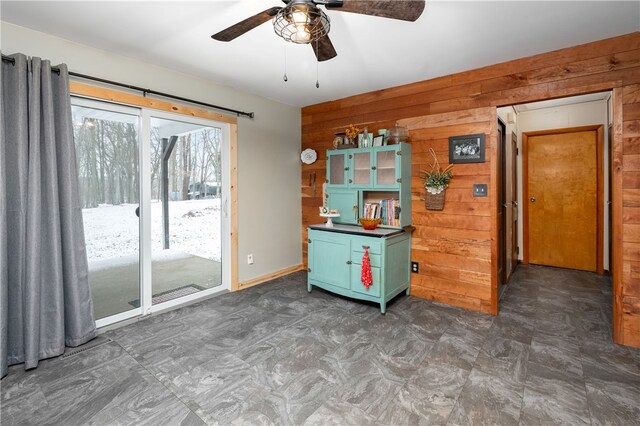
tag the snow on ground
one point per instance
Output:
(112, 232)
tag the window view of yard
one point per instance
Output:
(185, 207)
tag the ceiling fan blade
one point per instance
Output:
(323, 49)
(404, 10)
(246, 25)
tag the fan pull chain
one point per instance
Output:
(317, 66)
(285, 78)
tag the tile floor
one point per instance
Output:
(276, 354)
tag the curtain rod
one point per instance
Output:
(143, 90)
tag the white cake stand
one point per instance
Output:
(329, 223)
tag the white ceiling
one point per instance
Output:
(373, 53)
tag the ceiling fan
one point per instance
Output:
(303, 22)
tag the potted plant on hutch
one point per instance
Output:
(435, 183)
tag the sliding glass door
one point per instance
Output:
(154, 207)
(186, 194)
(107, 139)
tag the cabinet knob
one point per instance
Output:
(346, 168)
(373, 168)
(350, 181)
(399, 180)
(348, 262)
(308, 269)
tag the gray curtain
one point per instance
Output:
(46, 299)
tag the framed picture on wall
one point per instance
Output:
(466, 149)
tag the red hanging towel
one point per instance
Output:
(365, 276)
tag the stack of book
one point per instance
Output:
(387, 210)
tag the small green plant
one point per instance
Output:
(436, 180)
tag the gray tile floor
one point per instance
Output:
(275, 354)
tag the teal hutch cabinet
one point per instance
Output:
(335, 261)
(363, 182)
(360, 176)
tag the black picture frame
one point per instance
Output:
(378, 140)
(466, 149)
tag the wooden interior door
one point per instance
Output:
(562, 198)
(502, 204)
(514, 202)
(609, 203)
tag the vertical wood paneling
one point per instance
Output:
(233, 199)
(457, 247)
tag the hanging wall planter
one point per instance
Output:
(435, 183)
(434, 198)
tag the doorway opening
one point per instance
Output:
(532, 148)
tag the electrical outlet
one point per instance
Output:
(249, 259)
(415, 267)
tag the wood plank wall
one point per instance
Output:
(604, 65)
(630, 150)
(454, 246)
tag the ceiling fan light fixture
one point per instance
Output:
(301, 36)
(301, 22)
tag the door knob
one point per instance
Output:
(533, 199)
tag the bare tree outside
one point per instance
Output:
(108, 171)
(195, 165)
(107, 162)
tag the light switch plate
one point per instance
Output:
(479, 189)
